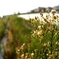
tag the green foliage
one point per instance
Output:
(3, 23)
(34, 39)
(20, 30)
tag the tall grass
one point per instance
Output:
(35, 38)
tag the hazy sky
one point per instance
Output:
(11, 6)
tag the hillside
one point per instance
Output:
(56, 7)
(40, 8)
(44, 8)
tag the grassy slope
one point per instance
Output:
(3, 22)
(19, 33)
(20, 29)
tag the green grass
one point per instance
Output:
(20, 29)
(3, 22)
